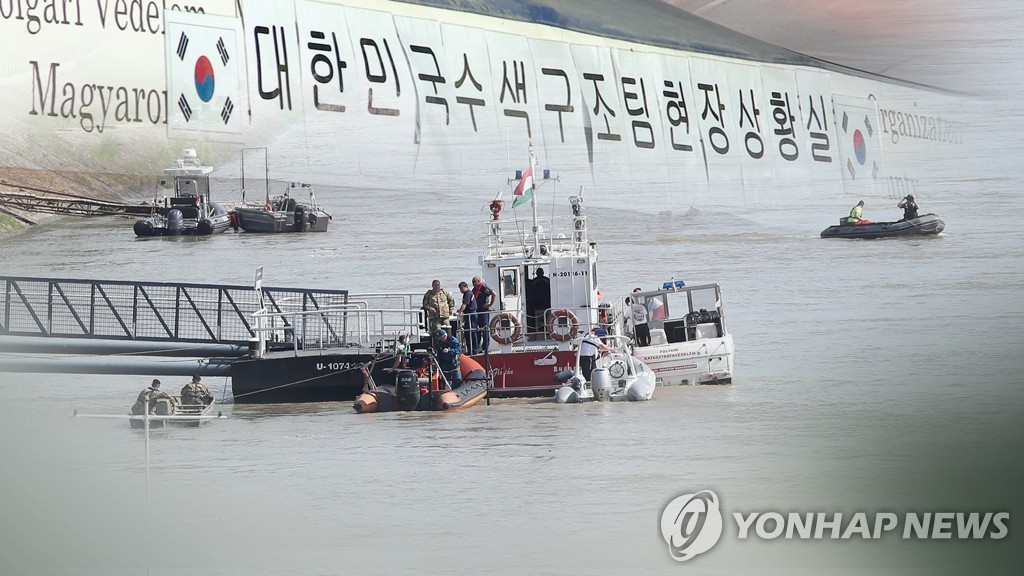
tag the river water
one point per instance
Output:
(870, 376)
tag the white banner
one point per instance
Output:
(273, 53)
(561, 102)
(604, 130)
(205, 76)
(816, 117)
(515, 95)
(717, 123)
(468, 65)
(860, 145)
(438, 139)
(385, 94)
(801, 147)
(684, 155)
(644, 135)
(749, 112)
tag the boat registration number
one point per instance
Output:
(336, 365)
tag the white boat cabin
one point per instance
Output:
(529, 311)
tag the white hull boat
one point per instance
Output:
(617, 376)
(690, 342)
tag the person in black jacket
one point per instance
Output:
(910, 207)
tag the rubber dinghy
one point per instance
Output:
(411, 391)
(924, 225)
(617, 375)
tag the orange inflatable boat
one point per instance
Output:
(415, 391)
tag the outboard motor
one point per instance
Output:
(407, 390)
(175, 222)
(601, 384)
(301, 224)
(568, 394)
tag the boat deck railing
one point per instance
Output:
(516, 236)
(358, 324)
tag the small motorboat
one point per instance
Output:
(180, 415)
(189, 212)
(617, 376)
(284, 213)
(423, 390)
(689, 342)
(924, 225)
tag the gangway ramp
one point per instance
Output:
(164, 312)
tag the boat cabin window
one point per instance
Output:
(187, 187)
(509, 283)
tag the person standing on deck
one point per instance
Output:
(438, 305)
(910, 207)
(638, 311)
(589, 347)
(466, 314)
(484, 297)
(538, 295)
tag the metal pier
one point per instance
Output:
(39, 200)
(119, 323)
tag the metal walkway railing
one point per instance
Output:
(152, 311)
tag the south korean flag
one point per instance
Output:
(860, 144)
(205, 76)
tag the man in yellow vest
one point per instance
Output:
(856, 214)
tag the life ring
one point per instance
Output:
(570, 320)
(501, 322)
(268, 208)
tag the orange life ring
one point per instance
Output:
(499, 322)
(268, 208)
(571, 321)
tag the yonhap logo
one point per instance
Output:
(691, 524)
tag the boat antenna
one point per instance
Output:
(242, 172)
(266, 172)
(533, 202)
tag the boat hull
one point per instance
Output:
(337, 376)
(286, 377)
(171, 223)
(184, 417)
(926, 225)
(385, 399)
(527, 373)
(260, 220)
(704, 361)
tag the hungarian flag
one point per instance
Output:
(524, 190)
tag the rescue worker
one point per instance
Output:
(589, 348)
(857, 213)
(438, 304)
(447, 350)
(154, 396)
(910, 207)
(194, 393)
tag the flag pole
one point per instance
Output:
(533, 203)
